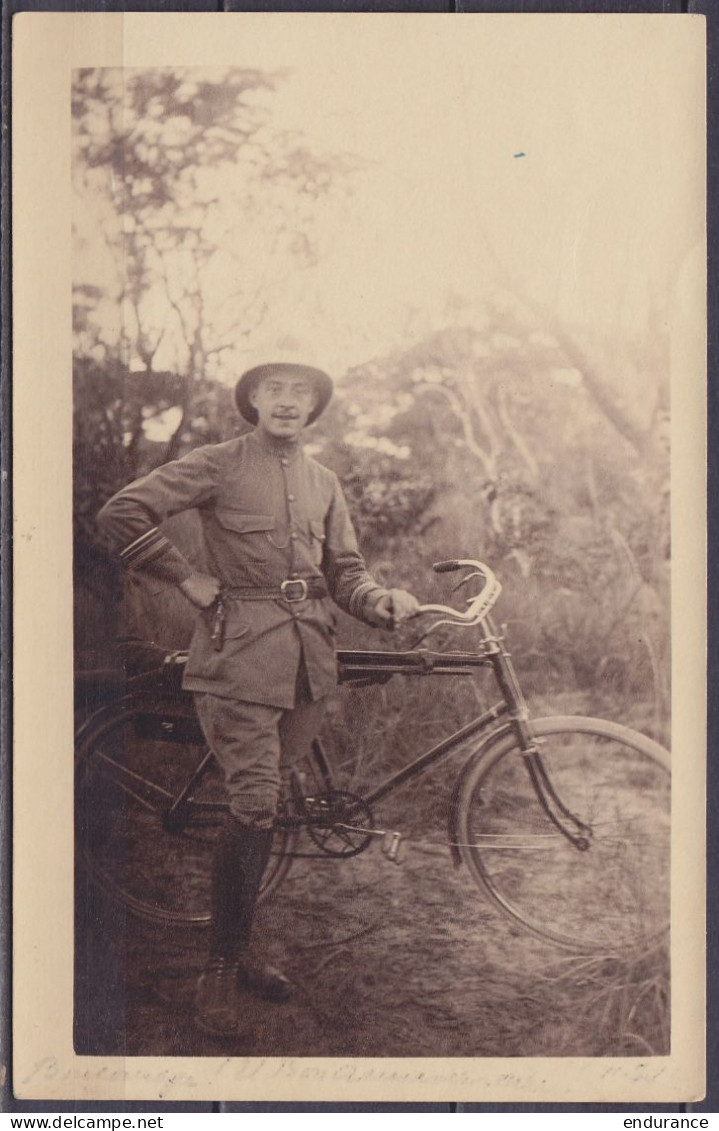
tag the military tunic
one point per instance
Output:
(269, 513)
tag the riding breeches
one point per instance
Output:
(253, 743)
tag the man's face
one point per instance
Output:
(283, 403)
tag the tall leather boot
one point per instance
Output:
(240, 860)
(254, 973)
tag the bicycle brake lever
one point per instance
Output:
(437, 624)
(468, 577)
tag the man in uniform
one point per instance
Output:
(279, 541)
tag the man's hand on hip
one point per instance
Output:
(394, 607)
(201, 589)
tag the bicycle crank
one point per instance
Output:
(392, 842)
(340, 823)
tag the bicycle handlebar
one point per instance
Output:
(479, 605)
(446, 567)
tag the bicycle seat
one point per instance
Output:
(137, 656)
(137, 665)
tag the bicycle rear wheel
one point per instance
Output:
(610, 897)
(149, 802)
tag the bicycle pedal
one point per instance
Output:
(393, 847)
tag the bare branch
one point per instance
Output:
(487, 459)
(597, 386)
(594, 380)
(481, 412)
(515, 435)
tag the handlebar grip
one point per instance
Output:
(446, 567)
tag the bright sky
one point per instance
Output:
(593, 217)
(562, 151)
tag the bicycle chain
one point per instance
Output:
(321, 815)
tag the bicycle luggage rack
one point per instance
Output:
(379, 667)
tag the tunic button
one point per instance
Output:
(290, 498)
(284, 462)
(293, 535)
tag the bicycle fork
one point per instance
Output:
(561, 817)
(576, 832)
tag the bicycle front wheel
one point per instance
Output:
(612, 896)
(149, 803)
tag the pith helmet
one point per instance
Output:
(251, 378)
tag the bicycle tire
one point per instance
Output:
(125, 783)
(615, 895)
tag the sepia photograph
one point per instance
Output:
(382, 333)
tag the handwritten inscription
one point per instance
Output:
(167, 1080)
(49, 1070)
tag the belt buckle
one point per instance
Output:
(286, 587)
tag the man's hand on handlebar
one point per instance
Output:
(394, 607)
(201, 589)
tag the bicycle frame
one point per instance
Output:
(363, 668)
(499, 789)
(378, 667)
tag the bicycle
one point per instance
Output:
(563, 822)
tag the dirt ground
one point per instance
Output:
(387, 960)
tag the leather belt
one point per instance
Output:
(294, 589)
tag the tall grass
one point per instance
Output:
(604, 1005)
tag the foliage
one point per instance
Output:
(388, 498)
(527, 469)
(540, 448)
(189, 205)
(115, 409)
(572, 517)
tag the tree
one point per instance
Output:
(530, 471)
(191, 207)
(199, 203)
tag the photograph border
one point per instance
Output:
(6, 408)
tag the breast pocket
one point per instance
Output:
(244, 537)
(242, 523)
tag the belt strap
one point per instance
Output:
(294, 589)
